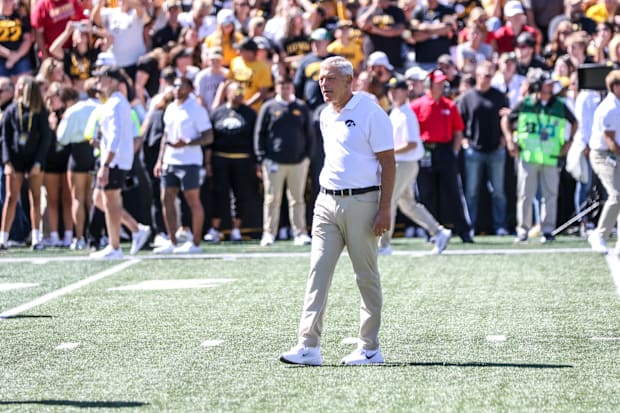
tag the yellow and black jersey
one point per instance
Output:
(12, 30)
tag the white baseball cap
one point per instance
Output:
(379, 59)
(416, 73)
(512, 8)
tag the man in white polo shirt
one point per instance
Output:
(605, 158)
(186, 128)
(352, 210)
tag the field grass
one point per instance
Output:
(485, 327)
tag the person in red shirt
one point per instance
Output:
(49, 19)
(441, 131)
(505, 36)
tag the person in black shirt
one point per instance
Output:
(483, 145)
(16, 39)
(383, 24)
(170, 32)
(306, 79)
(26, 139)
(434, 28)
(526, 55)
(232, 164)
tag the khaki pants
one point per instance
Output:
(404, 198)
(610, 178)
(528, 177)
(340, 221)
(274, 177)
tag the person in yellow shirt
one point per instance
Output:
(252, 74)
(344, 46)
(603, 11)
(225, 36)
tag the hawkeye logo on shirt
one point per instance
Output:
(349, 123)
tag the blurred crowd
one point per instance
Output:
(253, 68)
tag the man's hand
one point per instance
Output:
(103, 175)
(382, 222)
(157, 169)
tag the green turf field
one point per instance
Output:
(484, 327)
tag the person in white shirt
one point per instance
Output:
(604, 153)
(186, 129)
(408, 150)
(117, 152)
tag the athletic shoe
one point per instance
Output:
(39, 246)
(184, 235)
(302, 239)
(161, 239)
(597, 243)
(300, 354)
(385, 251)
(521, 238)
(547, 238)
(187, 248)
(214, 236)
(139, 238)
(501, 232)
(164, 249)
(266, 240)
(108, 253)
(362, 356)
(78, 244)
(235, 235)
(3, 247)
(441, 241)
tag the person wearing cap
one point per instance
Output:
(352, 210)
(484, 148)
(408, 150)
(383, 24)
(254, 75)
(343, 45)
(515, 24)
(187, 129)
(441, 131)
(535, 132)
(525, 51)
(126, 24)
(415, 77)
(209, 79)
(171, 30)
(507, 80)
(604, 147)
(306, 79)
(434, 25)
(226, 36)
(283, 145)
(116, 144)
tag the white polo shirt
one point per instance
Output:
(185, 122)
(351, 139)
(606, 118)
(406, 129)
(117, 131)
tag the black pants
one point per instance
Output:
(238, 176)
(440, 191)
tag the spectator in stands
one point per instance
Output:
(574, 14)
(479, 17)
(171, 30)
(241, 9)
(253, 75)
(474, 51)
(181, 60)
(434, 26)
(344, 46)
(232, 163)
(26, 139)
(525, 51)
(576, 45)
(210, 78)
(186, 129)
(283, 145)
(601, 44)
(200, 19)
(507, 80)
(514, 26)
(81, 165)
(484, 149)
(540, 12)
(415, 77)
(148, 73)
(49, 18)
(383, 23)
(127, 25)
(189, 39)
(540, 117)
(225, 36)
(603, 11)
(294, 43)
(16, 44)
(441, 131)
(557, 46)
(306, 79)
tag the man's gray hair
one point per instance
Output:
(339, 63)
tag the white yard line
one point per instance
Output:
(68, 289)
(614, 268)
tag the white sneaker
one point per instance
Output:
(266, 240)
(139, 238)
(161, 239)
(300, 354)
(441, 241)
(184, 235)
(235, 235)
(385, 251)
(78, 244)
(363, 356)
(108, 253)
(302, 239)
(597, 243)
(164, 249)
(187, 248)
(214, 236)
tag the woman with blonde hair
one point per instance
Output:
(225, 36)
(557, 46)
(27, 138)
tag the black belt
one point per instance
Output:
(350, 191)
(435, 145)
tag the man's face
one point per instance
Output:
(335, 87)
(524, 52)
(181, 89)
(285, 90)
(483, 78)
(397, 96)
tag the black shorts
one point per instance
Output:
(116, 179)
(57, 159)
(185, 177)
(23, 164)
(81, 158)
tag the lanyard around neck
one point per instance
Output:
(20, 116)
